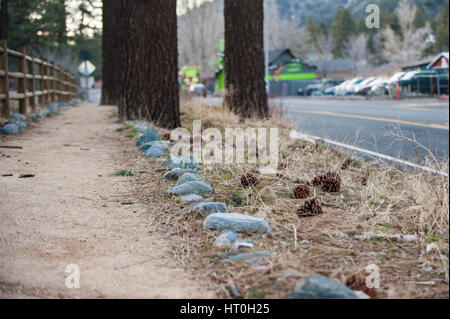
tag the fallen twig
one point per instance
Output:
(11, 147)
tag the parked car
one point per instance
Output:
(364, 86)
(341, 90)
(322, 86)
(393, 79)
(346, 88)
(198, 90)
(378, 87)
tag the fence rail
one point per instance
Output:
(39, 82)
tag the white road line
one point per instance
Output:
(296, 135)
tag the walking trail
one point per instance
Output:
(72, 212)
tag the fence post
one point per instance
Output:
(66, 87)
(53, 93)
(46, 83)
(4, 81)
(41, 82)
(32, 86)
(22, 87)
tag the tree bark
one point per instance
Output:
(246, 93)
(149, 62)
(4, 23)
(110, 52)
(62, 24)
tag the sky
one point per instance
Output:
(72, 7)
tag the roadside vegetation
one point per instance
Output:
(380, 215)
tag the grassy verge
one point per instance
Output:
(358, 227)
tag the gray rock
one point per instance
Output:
(243, 244)
(206, 209)
(45, 113)
(189, 177)
(22, 125)
(321, 287)
(18, 117)
(184, 162)
(148, 136)
(226, 238)
(147, 146)
(192, 199)
(250, 258)
(142, 129)
(54, 107)
(157, 150)
(237, 222)
(10, 129)
(198, 188)
(176, 173)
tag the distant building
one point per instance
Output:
(417, 66)
(288, 74)
(440, 63)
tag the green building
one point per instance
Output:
(287, 73)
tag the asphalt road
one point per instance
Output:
(374, 125)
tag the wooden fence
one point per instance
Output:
(39, 82)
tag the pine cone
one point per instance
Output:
(331, 185)
(301, 192)
(248, 180)
(357, 282)
(310, 208)
(364, 181)
(318, 180)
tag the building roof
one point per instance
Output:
(418, 64)
(274, 55)
(437, 58)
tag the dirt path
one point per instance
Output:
(71, 212)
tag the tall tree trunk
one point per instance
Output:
(4, 23)
(110, 52)
(149, 62)
(244, 58)
(62, 24)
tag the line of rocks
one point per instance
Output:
(18, 122)
(193, 191)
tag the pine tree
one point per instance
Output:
(442, 27)
(149, 62)
(111, 58)
(4, 23)
(244, 58)
(343, 27)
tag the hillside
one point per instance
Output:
(324, 10)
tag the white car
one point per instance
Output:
(396, 77)
(341, 90)
(357, 88)
(378, 87)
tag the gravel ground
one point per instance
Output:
(71, 212)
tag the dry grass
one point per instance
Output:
(377, 199)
